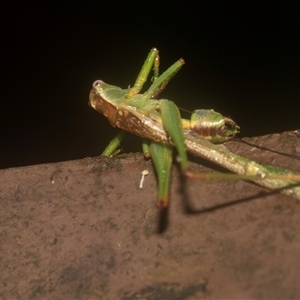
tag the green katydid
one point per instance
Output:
(160, 125)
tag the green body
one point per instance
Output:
(160, 125)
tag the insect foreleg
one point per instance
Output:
(162, 158)
(144, 73)
(113, 147)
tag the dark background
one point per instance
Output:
(242, 59)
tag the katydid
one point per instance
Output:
(160, 125)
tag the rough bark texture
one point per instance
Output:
(85, 230)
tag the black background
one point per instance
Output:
(242, 59)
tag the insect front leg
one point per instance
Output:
(151, 60)
(113, 148)
(161, 82)
(162, 158)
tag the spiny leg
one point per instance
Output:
(151, 60)
(162, 158)
(113, 147)
(161, 82)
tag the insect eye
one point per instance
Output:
(97, 83)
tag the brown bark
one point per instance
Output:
(85, 230)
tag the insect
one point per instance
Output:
(159, 124)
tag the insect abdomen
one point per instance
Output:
(212, 125)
